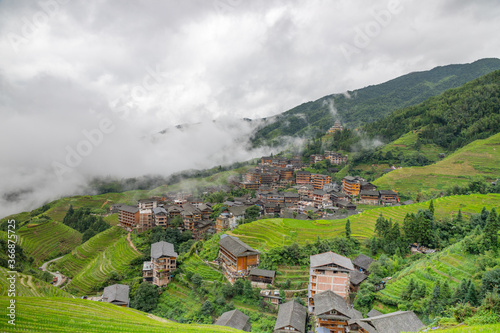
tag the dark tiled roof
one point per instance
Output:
(384, 192)
(357, 277)
(396, 322)
(331, 258)
(327, 301)
(161, 249)
(367, 192)
(116, 293)
(362, 261)
(262, 272)
(374, 313)
(235, 319)
(292, 314)
(235, 246)
(130, 209)
(319, 192)
(159, 210)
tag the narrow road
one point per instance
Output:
(132, 244)
(60, 278)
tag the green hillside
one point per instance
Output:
(72, 263)
(267, 233)
(480, 158)
(452, 264)
(373, 102)
(77, 315)
(493, 328)
(47, 240)
(116, 258)
(451, 120)
(29, 286)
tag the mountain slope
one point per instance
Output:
(373, 102)
(267, 233)
(480, 158)
(77, 315)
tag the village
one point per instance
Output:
(276, 187)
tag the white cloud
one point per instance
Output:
(221, 60)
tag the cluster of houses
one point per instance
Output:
(332, 278)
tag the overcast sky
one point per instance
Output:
(114, 73)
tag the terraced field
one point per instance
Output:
(39, 315)
(267, 233)
(298, 275)
(206, 271)
(493, 328)
(479, 158)
(28, 286)
(451, 264)
(115, 258)
(72, 263)
(48, 240)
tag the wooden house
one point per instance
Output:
(236, 258)
(164, 260)
(292, 317)
(362, 263)
(332, 312)
(262, 276)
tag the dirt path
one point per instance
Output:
(132, 244)
(60, 278)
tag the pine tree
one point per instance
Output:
(472, 295)
(348, 229)
(431, 207)
(373, 246)
(491, 230)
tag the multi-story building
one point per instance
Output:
(236, 258)
(388, 197)
(225, 221)
(351, 185)
(337, 126)
(147, 203)
(303, 177)
(321, 198)
(332, 312)
(145, 219)
(160, 217)
(316, 158)
(286, 174)
(368, 197)
(318, 181)
(147, 271)
(335, 158)
(329, 271)
(128, 216)
(164, 261)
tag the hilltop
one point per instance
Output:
(371, 103)
(480, 158)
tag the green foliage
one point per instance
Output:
(145, 298)
(83, 220)
(370, 103)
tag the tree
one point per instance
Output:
(431, 207)
(491, 280)
(252, 213)
(471, 296)
(196, 280)
(348, 229)
(207, 308)
(145, 298)
(176, 221)
(491, 230)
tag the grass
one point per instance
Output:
(48, 240)
(115, 258)
(406, 145)
(298, 275)
(206, 271)
(452, 265)
(76, 315)
(267, 233)
(480, 158)
(29, 286)
(72, 263)
(492, 328)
